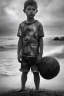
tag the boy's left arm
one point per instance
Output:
(41, 50)
(41, 35)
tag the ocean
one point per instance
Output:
(10, 76)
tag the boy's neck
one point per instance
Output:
(29, 20)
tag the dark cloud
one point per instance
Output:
(8, 20)
(55, 11)
(58, 13)
(3, 5)
(56, 24)
(8, 29)
(50, 12)
(44, 2)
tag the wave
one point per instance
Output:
(8, 47)
(57, 55)
(57, 52)
(8, 43)
(1, 74)
(8, 74)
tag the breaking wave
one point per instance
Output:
(57, 52)
(8, 47)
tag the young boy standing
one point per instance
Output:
(30, 44)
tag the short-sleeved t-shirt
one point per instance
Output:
(30, 34)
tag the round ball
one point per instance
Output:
(49, 67)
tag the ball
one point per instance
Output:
(49, 67)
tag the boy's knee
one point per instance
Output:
(36, 74)
(24, 73)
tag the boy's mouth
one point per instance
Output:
(31, 14)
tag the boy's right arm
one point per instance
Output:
(19, 48)
(19, 34)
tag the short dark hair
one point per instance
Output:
(30, 2)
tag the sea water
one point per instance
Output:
(10, 76)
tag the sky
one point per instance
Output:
(50, 14)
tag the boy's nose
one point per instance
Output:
(31, 11)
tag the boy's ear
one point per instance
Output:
(24, 10)
(36, 11)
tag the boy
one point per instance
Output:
(30, 44)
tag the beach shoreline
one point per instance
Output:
(9, 83)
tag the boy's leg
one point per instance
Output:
(34, 69)
(23, 79)
(36, 80)
(24, 69)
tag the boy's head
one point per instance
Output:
(30, 3)
(30, 8)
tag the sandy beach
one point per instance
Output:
(10, 86)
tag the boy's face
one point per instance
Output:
(30, 11)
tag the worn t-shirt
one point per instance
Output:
(30, 34)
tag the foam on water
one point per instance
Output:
(58, 50)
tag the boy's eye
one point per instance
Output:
(33, 9)
(28, 9)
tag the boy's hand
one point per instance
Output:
(39, 58)
(19, 59)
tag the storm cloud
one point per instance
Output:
(50, 14)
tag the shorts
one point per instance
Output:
(29, 62)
